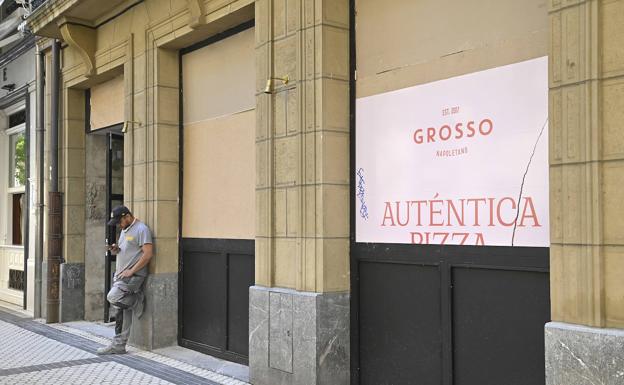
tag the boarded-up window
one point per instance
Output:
(402, 43)
(107, 103)
(219, 145)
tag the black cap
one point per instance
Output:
(116, 215)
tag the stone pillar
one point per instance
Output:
(299, 310)
(584, 343)
(152, 172)
(72, 174)
(95, 225)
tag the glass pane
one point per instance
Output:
(117, 166)
(17, 227)
(17, 172)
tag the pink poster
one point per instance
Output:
(461, 161)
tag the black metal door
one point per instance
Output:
(114, 197)
(432, 315)
(215, 278)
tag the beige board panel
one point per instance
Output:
(219, 178)
(220, 79)
(402, 43)
(107, 103)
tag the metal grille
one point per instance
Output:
(16, 279)
(17, 118)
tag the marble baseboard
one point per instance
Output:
(158, 326)
(581, 355)
(43, 296)
(298, 338)
(72, 295)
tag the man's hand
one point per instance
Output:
(126, 274)
(113, 248)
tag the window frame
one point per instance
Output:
(11, 191)
(19, 129)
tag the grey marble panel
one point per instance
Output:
(258, 328)
(280, 331)
(333, 336)
(579, 355)
(44, 288)
(158, 326)
(320, 337)
(305, 333)
(72, 293)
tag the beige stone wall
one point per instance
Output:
(142, 45)
(587, 161)
(302, 145)
(302, 129)
(402, 43)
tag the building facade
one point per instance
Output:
(252, 137)
(17, 146)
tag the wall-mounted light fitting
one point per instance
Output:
(269, 84)
(124, 129)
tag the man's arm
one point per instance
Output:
(148, 252)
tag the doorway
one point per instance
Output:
(217, 223)
(114, 197)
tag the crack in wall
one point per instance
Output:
(526, 171)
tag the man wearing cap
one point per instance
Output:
(134, 251)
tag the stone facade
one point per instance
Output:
(302, 192)
(141, 42)
(302, 160)
(586, 158)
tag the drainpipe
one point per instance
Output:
(40, 178)
(55, 203)
(26, 212)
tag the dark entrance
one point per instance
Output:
(215, 277)
(216, 248)
(114, 197)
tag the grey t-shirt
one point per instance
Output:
(131, 243)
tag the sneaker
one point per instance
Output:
(111, 349)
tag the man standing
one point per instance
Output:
(134, 251)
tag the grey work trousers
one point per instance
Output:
(126, 296)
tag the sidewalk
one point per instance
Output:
(35, 353)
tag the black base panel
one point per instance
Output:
(449, 315)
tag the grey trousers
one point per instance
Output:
(127, 297)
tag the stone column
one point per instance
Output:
(584, 343)
(95, 225)
(152, 173)
(299, 308)
(72, 174)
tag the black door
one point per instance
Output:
(215, 278)
(432, 315)
(114, 197)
